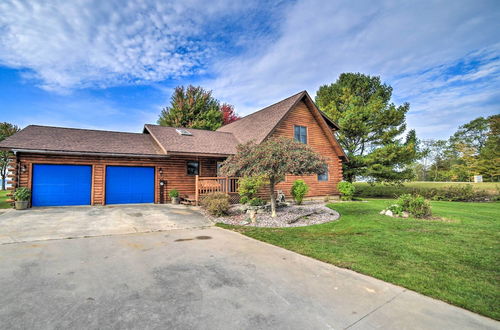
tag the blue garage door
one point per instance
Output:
(58, 185)
(128, 185)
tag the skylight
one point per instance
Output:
(181, 131)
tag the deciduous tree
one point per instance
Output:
(228, 114)
(6, 130)
(274, 158)
(192, 107)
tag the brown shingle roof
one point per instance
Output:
(257, 126)
(160, 140)
(201, 141)
(48, 138)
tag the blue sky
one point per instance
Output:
(113, 64)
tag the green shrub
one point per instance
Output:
(458, 193)
(299, 190)
(249, 186)
(22, 194)
(454, 192)
(416, 205)
(419, 207)
(174, 193)
(216, 203)
(396, 209)
(346, 190)
(256, 201)
(404, 201)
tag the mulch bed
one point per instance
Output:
(310, 213)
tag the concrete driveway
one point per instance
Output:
(83, 221)
(201, 279)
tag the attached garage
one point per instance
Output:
(61, 185)
(129, 184)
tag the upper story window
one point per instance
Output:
(323, 176)
(300, 134)
(193, 168)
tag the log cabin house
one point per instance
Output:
(67, 166)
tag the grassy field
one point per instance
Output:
(3, 198)
(456, 260)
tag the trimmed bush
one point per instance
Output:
(249, 186)
(299, 190)
(346, 190)
(216, 203)
(453, 192)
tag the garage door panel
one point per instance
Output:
(129, 185)
(60, 185)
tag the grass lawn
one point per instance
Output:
(456, 261)
(3, 198)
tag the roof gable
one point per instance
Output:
(258, 125)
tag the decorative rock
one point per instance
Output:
(252, 213)
(382, 212)
(389, 213)
(405, 214)
(288, 216)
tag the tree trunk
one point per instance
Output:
(273, 198)
(3, 181)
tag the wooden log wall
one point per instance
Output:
(301, 115)
(174, 171)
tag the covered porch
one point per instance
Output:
(207, 185)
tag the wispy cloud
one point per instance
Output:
(78, 44)
(409, 44)
(441, 56)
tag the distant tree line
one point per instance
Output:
(474, 149)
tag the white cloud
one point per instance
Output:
(257, 54)
(79, 43)
(321, 39)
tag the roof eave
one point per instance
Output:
(198, 154)
(83, 153)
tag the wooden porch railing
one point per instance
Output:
(207, 185)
